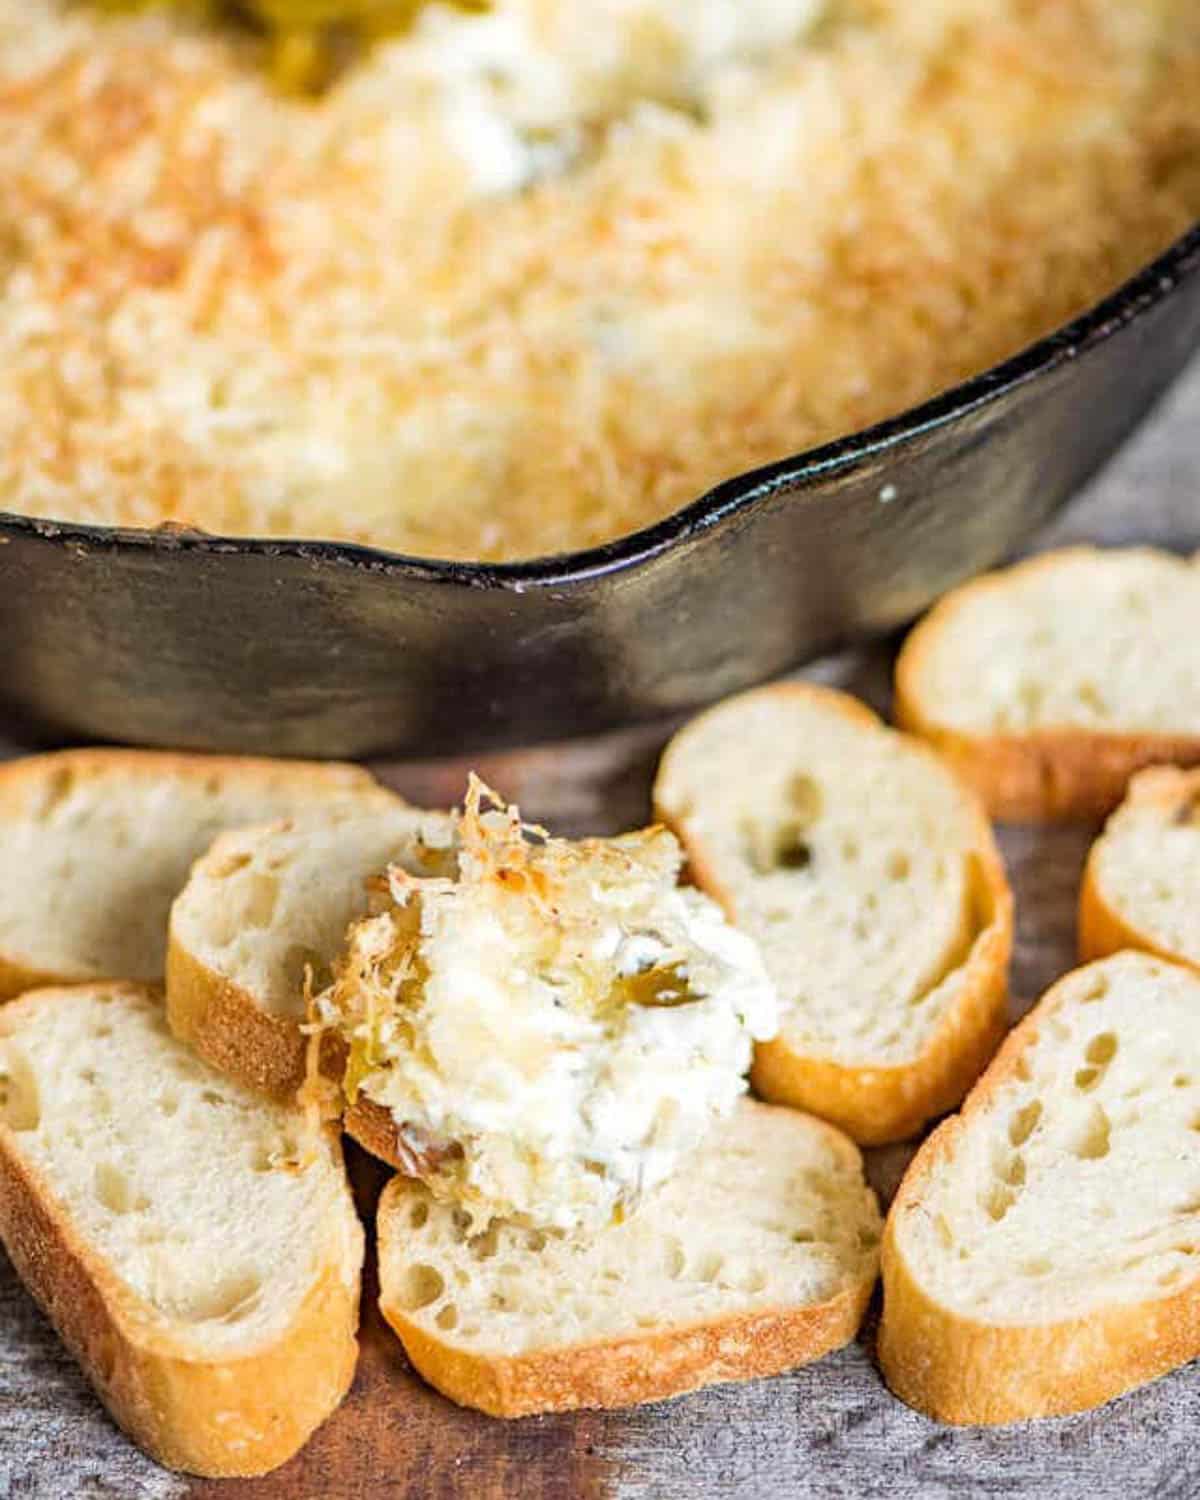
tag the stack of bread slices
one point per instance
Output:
(215, 966)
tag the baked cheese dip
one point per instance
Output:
(554, 1030)
(524, 278)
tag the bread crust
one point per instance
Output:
(223, 1024)
(1048, 775)
(1102, 927)
(214, 1417)
(20, 781)
(878, 1105)
(961, 1370)
(625, 1371)
(374, 1129)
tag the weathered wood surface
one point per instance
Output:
(829, 1432)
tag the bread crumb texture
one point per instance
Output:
(1083, 639)
(851, 854)
(1072, 1182)
(210, 1206)
(774, 1217)
(1144, 871)
(525, 281)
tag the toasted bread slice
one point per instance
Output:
(96, 844)
(759, 1255)
(265, 904)
(1050, 683)
(1043, 1252)
(1142, 882)
(196, 1247)
(870, 878)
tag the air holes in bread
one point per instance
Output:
(1092, 1141)
(805, 798)
(420, 1287)
(998, 1200)
(1095, 991)
(1180, 1081)
(1013, 1171)
(168, 1105)
(782, 848)
(484, 1246)
(709, 1267)
(262, 896)
(447, 1317)
(419, 1216)
(114, 1191)
(229, 1301)
(1024, 1122)
(1100, 1052)
(1091, 697)
(674, 1259)
(20, 1108)
(899, 866)
(1038, 1266)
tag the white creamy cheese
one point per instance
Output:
(571, 1021)
(513, 86)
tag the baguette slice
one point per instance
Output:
(759, 1255)
(196, 1248)
(265, 903)
(95, 845)
(1141, 887)
(871, 881)
(1050, 683)
(1043, 1252)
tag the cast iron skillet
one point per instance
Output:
(317, 648)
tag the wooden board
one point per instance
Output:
(831, 1430)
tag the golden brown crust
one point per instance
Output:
(617, 1372)
(1047, 775)
(223, 1023)
(30, 781)
(1103, 929)
(876, 1105)
(957, 1369)
(215, 1417)
(373, 1127)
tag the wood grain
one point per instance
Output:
(828, 1432)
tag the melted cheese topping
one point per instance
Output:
(554, 1030)
(525, 281)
